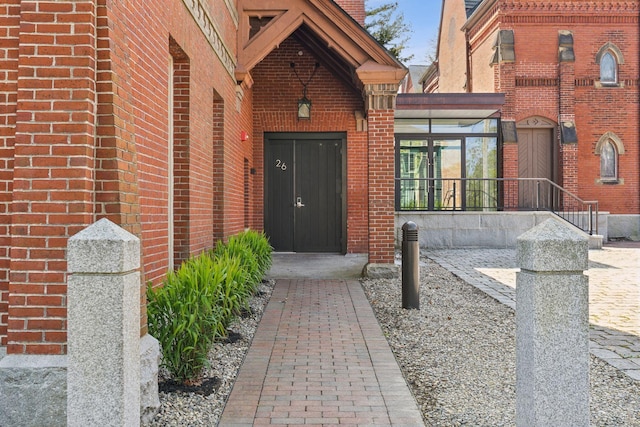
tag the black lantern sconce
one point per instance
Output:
(304, 103)
(304, 106)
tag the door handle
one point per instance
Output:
(299, 203)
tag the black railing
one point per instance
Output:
(496, 194)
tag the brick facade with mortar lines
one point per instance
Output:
(275, 110)
(90, 110)
(98, 87)
(538, 84)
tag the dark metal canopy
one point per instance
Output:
(448, 105)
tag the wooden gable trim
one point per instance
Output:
(372, 63)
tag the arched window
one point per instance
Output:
(608, 69)
(608, 162)
(609, 58)
(609, 148)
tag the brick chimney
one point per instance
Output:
(355, 8)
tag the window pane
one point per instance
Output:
(413, 143)
(414, 169)
(608, 161)
(608, 68)
(412, 126)
(481, 162)
(447, 171)
(464, 125)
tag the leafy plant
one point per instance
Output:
(185, 317)
(197, 302)
(259, 246)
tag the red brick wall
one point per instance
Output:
(575, 95)
(601, 110)
(116, 169)
(217, 208)
(53, 182)
(91, 140)
(355, 8)
(505, 82)
(276, 91)
(212, 122)
(9, 23)
(181, 159)
(87, 133)
(116, 160)
(381, 185)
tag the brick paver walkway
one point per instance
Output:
(614, 294)
(319, 358)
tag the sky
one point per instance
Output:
(424, 17)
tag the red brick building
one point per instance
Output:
(569, 71)
(178, 120)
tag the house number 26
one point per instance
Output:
(281, 165)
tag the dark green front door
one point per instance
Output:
(304, 207)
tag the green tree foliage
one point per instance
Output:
(386, 24)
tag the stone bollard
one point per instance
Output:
(103, 379)
(552, 327)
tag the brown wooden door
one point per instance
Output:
(535, 160)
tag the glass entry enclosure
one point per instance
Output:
(423, 163)
(446, 164)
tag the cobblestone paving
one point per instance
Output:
(614, 294)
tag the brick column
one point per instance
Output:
(380, 104)
(116, 176)
(355, 8)
(53, 185)
(53, 198)
(566, 113)
(505, 82)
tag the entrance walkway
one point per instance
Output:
(319, 358)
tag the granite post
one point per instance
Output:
(552, 327)
(103, 377)
(33, 390)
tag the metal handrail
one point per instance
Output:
(495, 194)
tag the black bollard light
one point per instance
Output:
(410, 266)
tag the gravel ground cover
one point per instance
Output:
(457, 354)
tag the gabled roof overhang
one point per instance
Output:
(323, 26)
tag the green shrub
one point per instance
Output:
(259, 246)
(185, 316)
(198, 301)
(238, 250)
(235, 287)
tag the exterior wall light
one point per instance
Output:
(304, 108)
(304, 103)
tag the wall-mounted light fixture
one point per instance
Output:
(304, 107)
(304, 103)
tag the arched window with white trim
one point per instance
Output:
(609, 148)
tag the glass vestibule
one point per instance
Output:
(452, 171)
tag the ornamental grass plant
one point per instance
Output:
(197, 302)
